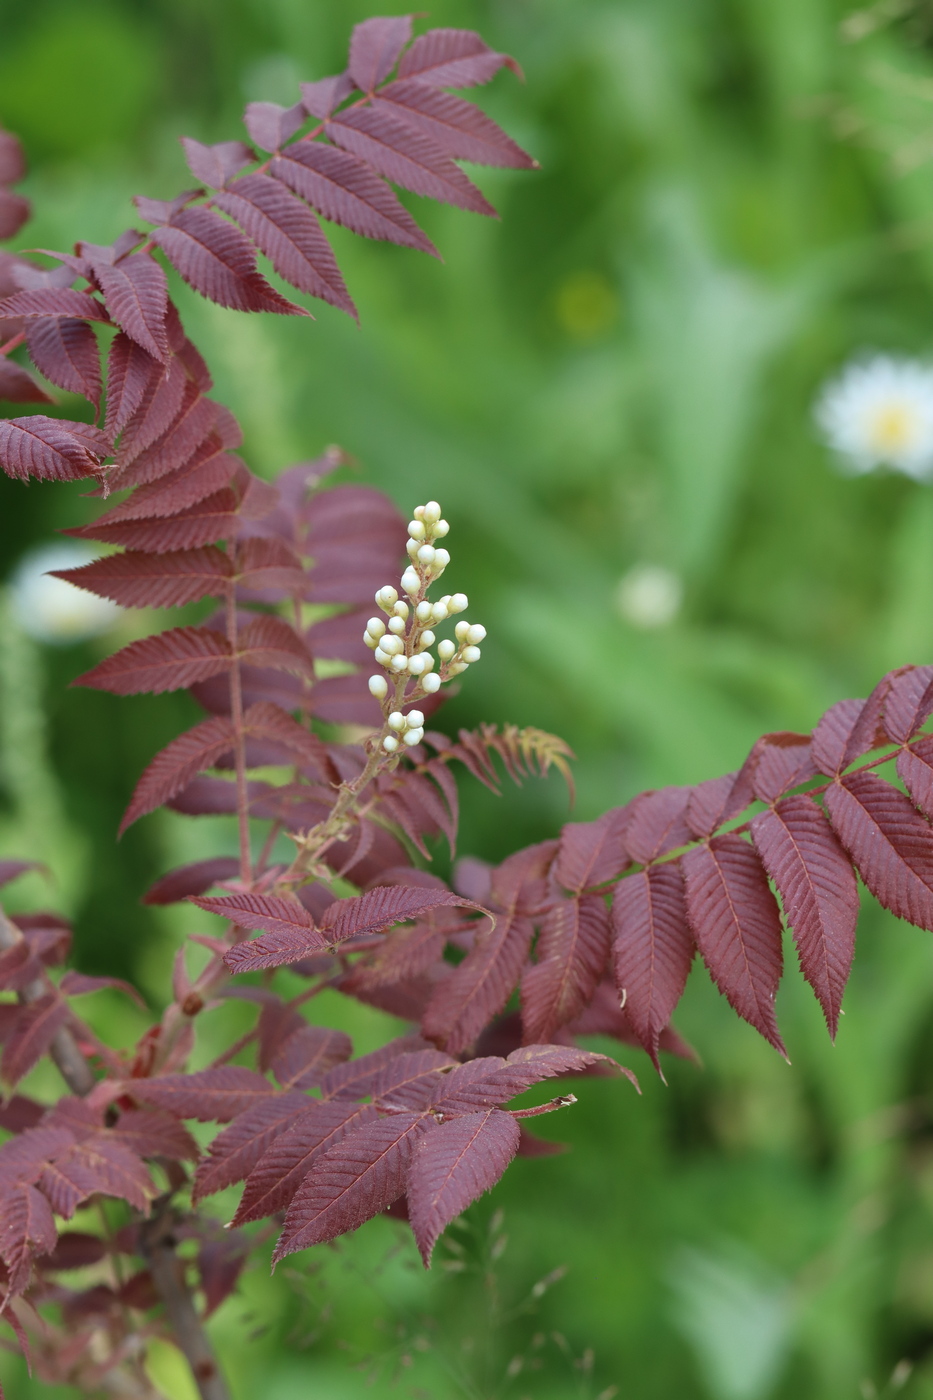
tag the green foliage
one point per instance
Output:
(735, 198)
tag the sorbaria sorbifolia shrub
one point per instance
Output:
(591, 932)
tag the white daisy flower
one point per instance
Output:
(649, 596)
(879, 412)
(51, 610)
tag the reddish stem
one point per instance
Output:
(239, 744)
(12, 343)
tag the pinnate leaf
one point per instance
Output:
(480, 986)
(888, 840)
(652, 949)
(130, 373)
(908, 703)
(384, 906)
(27, 1229)
(234, 1152)
(307, 1054)
(490, 1081)
(592, 853)
(136, 292)
(48, 448)
(33, 1031)
(658, 823)
(215, 165)
(375, 46)
(66, 352)
(452, 1167)
(361, 1175)
(456, 58)
(218, 261)
(152, 1132)
(737, 927)
(173, 767)
(458, 127)
(18, 386)
(270, 125)
(813, 875)
(915, 770)
(142, 580)
(284, 1165)
(167, 661)
(572, 951)
(191, 879)
(53, 301)
(208, 1095)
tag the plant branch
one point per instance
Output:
(157, 1244)
(239, 748)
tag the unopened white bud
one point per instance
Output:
(387, 598)
(461, 630)
(417, 665)
(397, 720)
(378, 686)
(414, 719)
(424, 611)
(432, 513)
(458, 603)
(410, 581)
(382, 657)
(426, 554)
(392, 644)
(438, 612)
(369, 641)
(426, 639)
(376, 627)
(418, 512)
(411, 548)
(441, 560)
(476, 634)
(427, 662)
(399, 664)
(471, 654)
(397, 626)
(456, 668)
(446, 649)
(431, 683)
(401, 610)
(441, 529)
(413, 737)
(416, 529)
(390, 743)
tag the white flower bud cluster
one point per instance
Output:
(401, 643)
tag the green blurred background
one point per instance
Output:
(618, 379)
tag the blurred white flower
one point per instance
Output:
(649, 596)
(50, 609)
(879, 412)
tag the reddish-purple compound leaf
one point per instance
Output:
(27, 1229)
(173, 767)
(480, 986)
(451, 1168)
(802, 855)
(158, 408)
(234, 1152)
(18, 386)
(308, 1054)
(572, 951)
(406, 156)
(908, 703)
(270, 912)
(868, 731)
(458, 127)
(168, 661)
(322, 97)
(268, 721)
(215, 165)
(53, 301)
(455, 58)
(130, 372)
(195, 481)
(357, 1178)
(737, 927)
(490, 1081)
(271, 641)
(384, 906)
(218, 261)
(830, 740)
(346, 191)
(208, 1095)
(708, 806)
(592, 853)
(151, 1132)
(284, 1165)
(785, 759)
(375, 46)
(915, 770)
(66, 352)
(889, 842)
(354, 1079)
(33, 1032)
(270, 125)
(77, 984)
(652, 949)
(411, 1080)
(658, 824)
(21, 1157)
(162, 211)
(185, 436)
(214, 518)
(191, 879)
(98, 1164)
(75, 1250)
(47, 448)
(142, 580)
(289, 234)
(136, 292)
